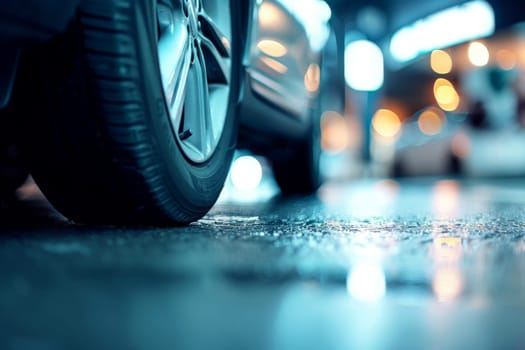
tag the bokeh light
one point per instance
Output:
(506, 59)
(315, 15)
(447, 249)
(335, 133)
(466, 21)
(431, 121)
(271, 17)
(446, 95)
(478, 54)
(366, 282)
(274, 65)
(246, 173)
(312, 78)
(447, 283)
(272, 48)
(440, 62)
(386, 123)
(460, 146)
(364, 67)
(445, 199)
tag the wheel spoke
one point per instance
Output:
(197, 112)
(205, 115)
(175, 61)
(216, 48)
(214, 34)
(218, 67)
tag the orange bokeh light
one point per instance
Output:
(386, 123)
(274, 64)
(271, 17)
(312, 78)
(447, 283)
(272, 48)
(446, 95)
(506, 59)
(431, 121)
(440, 62)
(335, 133)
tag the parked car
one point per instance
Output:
(419, 154)
(459, 149)
(129, 110)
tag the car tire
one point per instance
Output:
(134, 115)
(297, 169)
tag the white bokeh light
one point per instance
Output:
(246, 173)
(478, 54)
(364, 68)
(315, 14)
(452, 26)
(366, 282)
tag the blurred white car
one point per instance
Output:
(459, 150)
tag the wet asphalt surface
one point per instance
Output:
(364, 264)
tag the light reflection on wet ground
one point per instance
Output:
(370, 264)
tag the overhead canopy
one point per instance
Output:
(398, 13)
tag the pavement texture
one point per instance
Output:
(365, 264)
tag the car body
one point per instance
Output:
(283, 70)
(139, 101)
(459, 150)
(418, 154)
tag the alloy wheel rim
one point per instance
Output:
(194, 53)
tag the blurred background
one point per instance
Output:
(434, 88)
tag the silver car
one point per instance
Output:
(128, 111)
